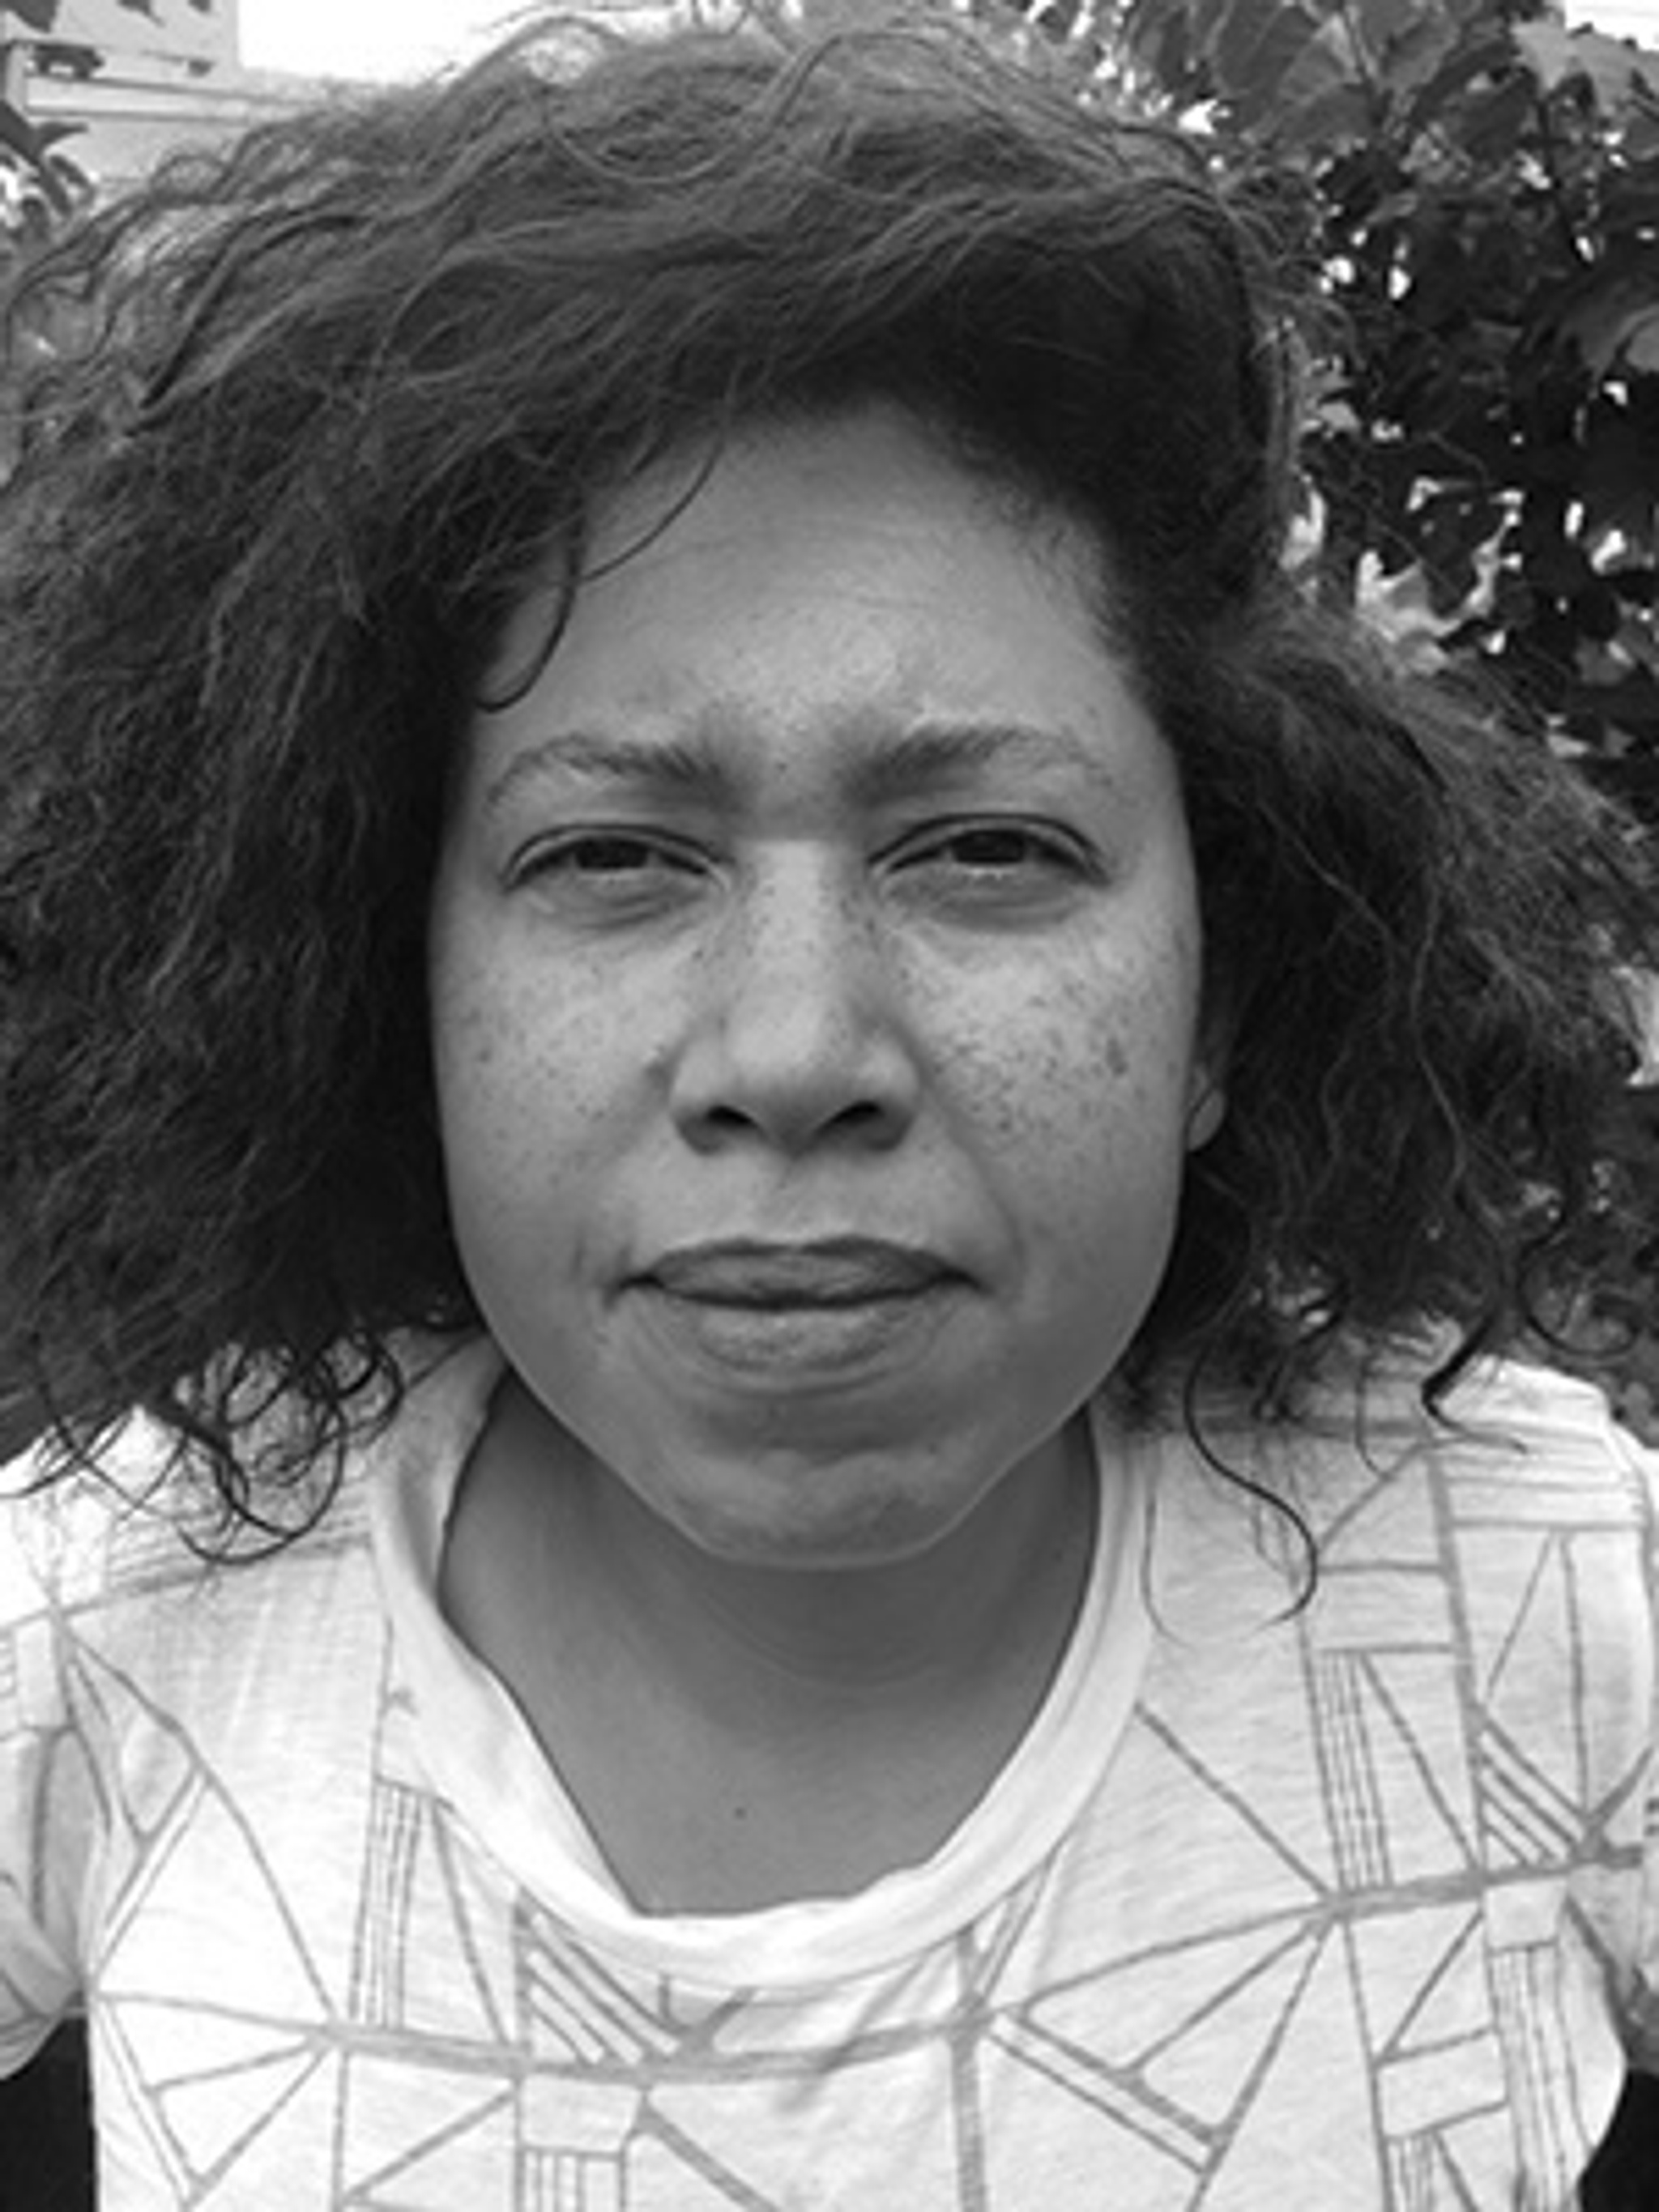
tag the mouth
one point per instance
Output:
(829, 1272)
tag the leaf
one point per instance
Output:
(1549, 53)
(1630, 204)
(1485, 55)
(1491, 125)
(1403, 44)
(1302, 62)
(1619, 482)
(1411, 55)
(1257, 46)
(1449, 527)
(1158, 34)
(1381, 23)
(1057, 19)
(1616, 323)
(1340, 115)
(1614, 68)
(1241, 33)
(1632, 702)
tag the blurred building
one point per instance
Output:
(201, 32)
(1619, 19)
(134, 78)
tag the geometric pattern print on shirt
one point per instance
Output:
(1337, 1935)
(1467, 1708)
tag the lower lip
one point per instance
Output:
(799, 1340)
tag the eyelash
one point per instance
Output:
(562, 855)
(1038, 841)
(1039, 846)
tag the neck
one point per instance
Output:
(886, 1638)
(739, 1735)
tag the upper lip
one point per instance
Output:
(820, 1271)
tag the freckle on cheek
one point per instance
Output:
(1117, 1059)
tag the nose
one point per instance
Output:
(797, 1033)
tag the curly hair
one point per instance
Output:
(319, 404)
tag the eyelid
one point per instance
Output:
(537, 855)
(1050, 845)
(1053, 839)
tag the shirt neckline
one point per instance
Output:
(484, 1761)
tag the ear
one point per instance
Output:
(1205, 1112)
(1206, 1091)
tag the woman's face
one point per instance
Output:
(815, 959)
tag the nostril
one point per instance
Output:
(796, 1068)
(863, 1113)
(864, 1121)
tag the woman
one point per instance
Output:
(761, 1137)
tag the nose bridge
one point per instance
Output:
(798, 1025)
(800, 963)
(799, 923)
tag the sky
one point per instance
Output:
(367, 38)
(391, 37)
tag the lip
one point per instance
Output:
(820, 1272)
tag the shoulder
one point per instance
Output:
(1545, 1441)
(1539, 1441)
(110, 1554)
(68, 1537)
(1506, 1540)
(142, 1518)
(131, 1658)
(1519, 1497)
(1519, 1445)
(1520, 1470)
(1471, 1614)
(1541, 1407)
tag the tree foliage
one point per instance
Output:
(1475, 189)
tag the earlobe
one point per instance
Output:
(1207, 1109)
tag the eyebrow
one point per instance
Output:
(915, 759)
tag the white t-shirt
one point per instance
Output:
(1273, 1909)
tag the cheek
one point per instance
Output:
(522, 1092)
(1088, 1064)
(513, 1035)
(1086, 1125)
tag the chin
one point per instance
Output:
(872, 1532)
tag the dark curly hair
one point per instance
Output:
(318, 406)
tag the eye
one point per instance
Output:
(995, 850)
(996, 871)
(607, 868)
(997, 847)
(598, 853)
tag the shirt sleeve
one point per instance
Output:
(47, 1800)
(1565, 1581)
(1642, 2023)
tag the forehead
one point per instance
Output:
(852, 574)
